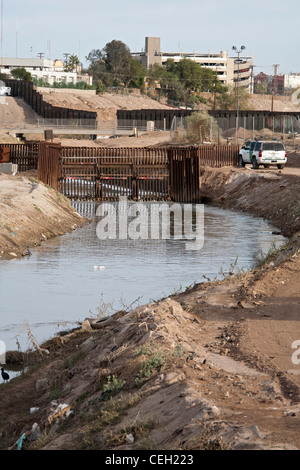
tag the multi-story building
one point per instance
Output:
(292, 82)
(229, 70)
(48, 70)
(269, 84)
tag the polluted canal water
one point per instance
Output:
(78, 275)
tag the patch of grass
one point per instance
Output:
(148, 368)
(55, 390)
(61, 198)
(8, 227)
(112, 387)
(157, 359)
(179, 351)
(262, 259)
(140, 431)
(72, 360)
(177, 291)
(110, 415)
(32, 179)
(210, 439)
(37, 208)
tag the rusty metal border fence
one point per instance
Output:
(48, 170)
(186, 164)
(24, 155)
(105, 174)
(218, 156)
(26, 90)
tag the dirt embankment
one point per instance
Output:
(215, 367)
(105, 105)
(30, 213)
(273, 194)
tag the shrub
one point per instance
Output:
(112, 387)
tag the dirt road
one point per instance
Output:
(274, 335)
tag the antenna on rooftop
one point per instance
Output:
(16, 38)
(48, 48)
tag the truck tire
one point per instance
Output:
(280, 167)
(241, 162)
(255, 165)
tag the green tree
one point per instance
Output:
(72, 63)
(117, 59)
(261, 88)
(135, 75)
(156, 74)
(177, 80)
(228, 100)
(99, 87)
(21, 74)
(114, 66)
(4, 76)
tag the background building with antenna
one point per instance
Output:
(227, 68)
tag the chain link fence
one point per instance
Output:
(226, 130)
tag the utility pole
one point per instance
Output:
(16, 39)
(274, 83)
(238, 51)
(66, 55)
(48, 49)
(215, 93)
(187, 98)
(40, 55)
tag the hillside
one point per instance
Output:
(105, 105)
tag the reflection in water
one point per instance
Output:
(59, 285)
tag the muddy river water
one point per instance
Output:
(79, 275)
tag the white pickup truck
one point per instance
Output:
(5, 90)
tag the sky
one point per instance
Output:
(268, 28)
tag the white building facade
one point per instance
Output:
(47, 70)
(229, 70)
(292, 81)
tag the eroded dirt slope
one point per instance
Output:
(31, 213)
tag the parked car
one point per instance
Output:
(269, 153)
(245, 155)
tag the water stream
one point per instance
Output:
(58, 284)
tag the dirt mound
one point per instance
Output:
(105, 105)
(280, 103)
(31, 213)
(16, 112)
